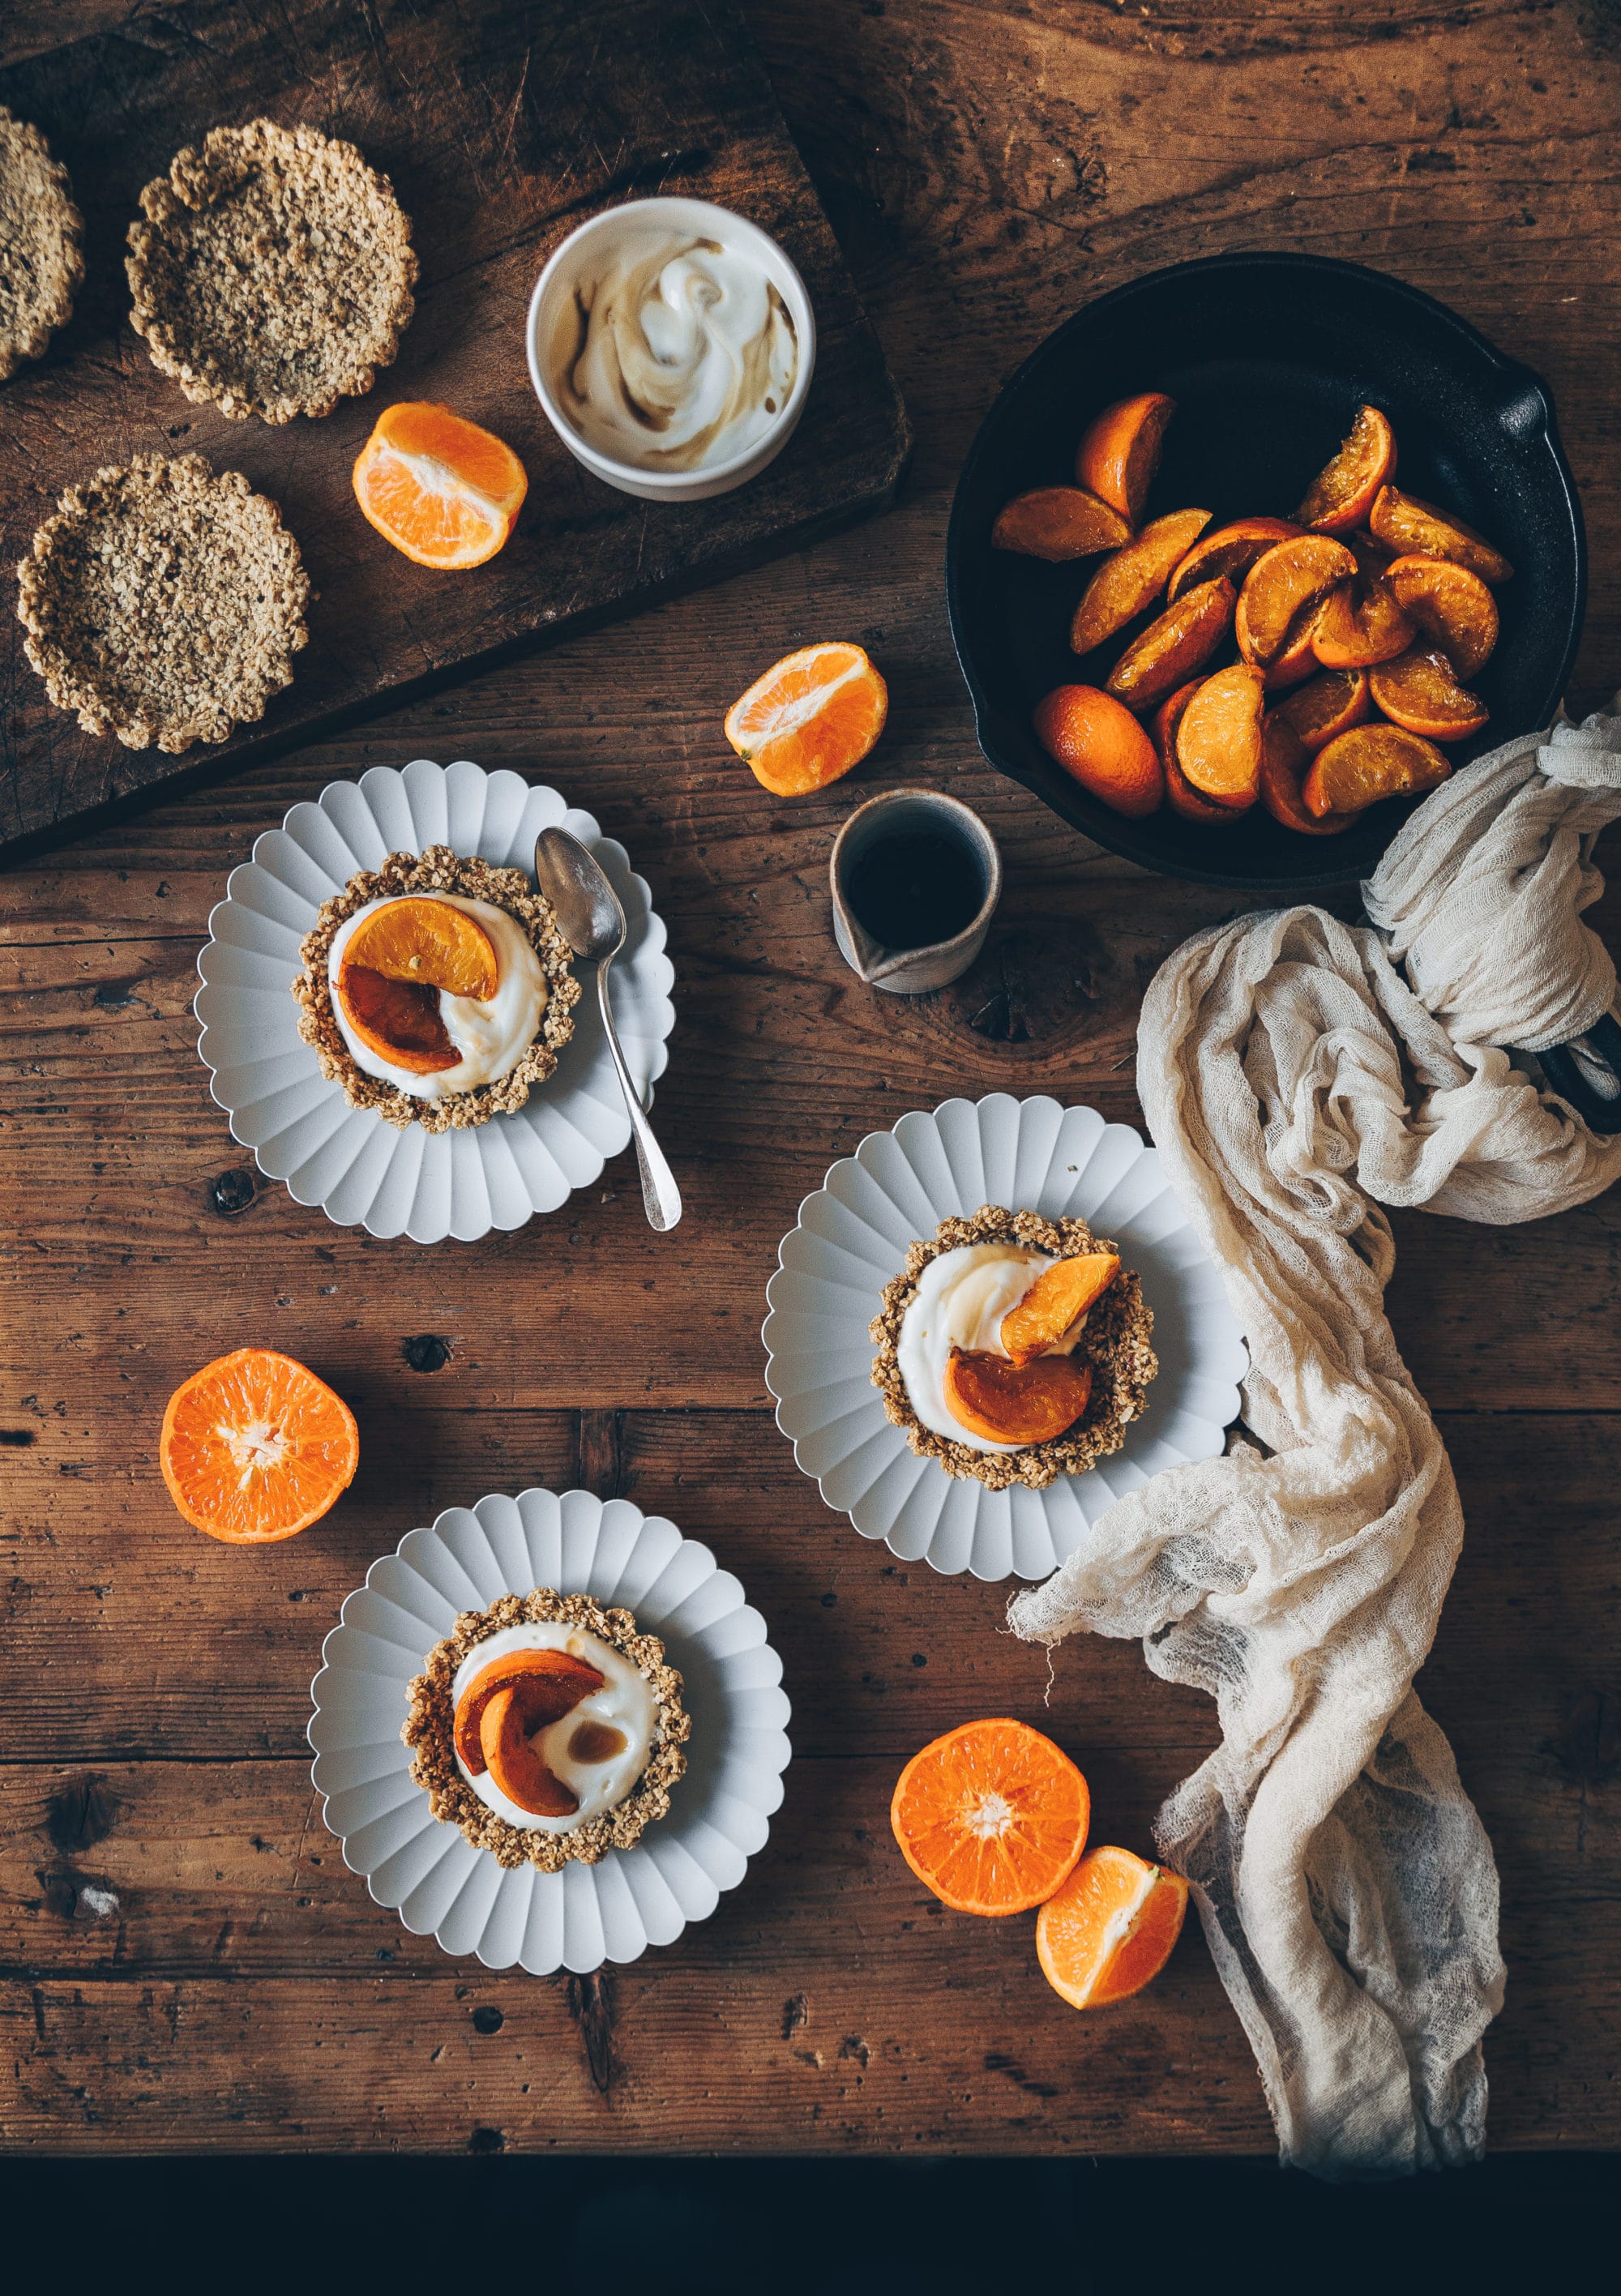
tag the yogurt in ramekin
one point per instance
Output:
(671, 343)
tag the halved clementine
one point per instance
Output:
(439, 488)
(1059, 1293)
(1450, 606)
(1332, 701)
(1231, 550)
(428, 941)
(1110, 1928)
(811, 718)
(1100, 744)
(1015, 1402)
(1344, 491)
(515, 1765)
(1058, 523)
(550, 1684)
(1119, 451)
(1180, 795)
(991, 1817)
(1219, 742)
(1371, 762)
(1419, 692)
(1173, 645)
(255, 1447)
(1284, 761)
(1406, 524)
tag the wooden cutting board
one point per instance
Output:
(501, 123)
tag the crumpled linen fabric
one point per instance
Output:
(1297, 1074)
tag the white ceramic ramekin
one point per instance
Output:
(697, 217)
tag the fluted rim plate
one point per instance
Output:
(425, 1869)
(852, 1237)
(360, 1170)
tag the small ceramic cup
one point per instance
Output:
(554, 292)
(901, 813)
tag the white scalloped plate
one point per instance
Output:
(424, 1868)
(851, 1238)
(302, 1130)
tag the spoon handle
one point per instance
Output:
(659, 1194)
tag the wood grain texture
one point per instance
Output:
(501, 126)
(988, 165)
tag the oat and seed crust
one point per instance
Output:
(163, 602)
(430, 1731)
(438, 871)
(1115, 1342)
(274, 272)
(42, 244)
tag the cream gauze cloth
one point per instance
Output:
(1297, 1074)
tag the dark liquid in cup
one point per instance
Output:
(911, 890)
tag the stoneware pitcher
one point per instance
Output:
(912, 813)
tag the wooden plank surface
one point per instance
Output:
(987, 167)
(502, 124)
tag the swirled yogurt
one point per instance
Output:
(492, 1033)
(961, 1298)
(625, 1709)
(674, 351)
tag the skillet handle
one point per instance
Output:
(1564, 1077)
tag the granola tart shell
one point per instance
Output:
(437, 870)
(430, 1731)
(42, 244)
(1115, 1342)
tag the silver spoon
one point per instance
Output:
(594, 925)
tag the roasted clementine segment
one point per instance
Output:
(1407, 525)
(1284, 761)
(549, 1683)
(1333, 700)
(1100, 743)
(1110, 1928)
(1344, 491)
(1219, 742)
(811, 718)
(991, 1817)
(255, 1447)
(1295, 659)
(1173, 645)
(515, 1765)
(1132, 577)
(1231, 550)
(1119, 451)
(399, 1020)
(426, 941)
(1419, 692)
(1059, 1293)
(444, 492)
(1058, 523)
(1371, 762)
(1015, 1402)
(1358, 624)
(1284, 582)
(1450, 606)
(1180, 793)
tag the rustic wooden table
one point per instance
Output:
(186, 1960)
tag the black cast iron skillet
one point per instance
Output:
(1268, 357)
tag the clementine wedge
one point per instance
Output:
(991, 1817)
(1180, 793)
(515, 1765)
(1284, 761)
(1132, 577)
(1371, 762)
(1344, 492)
(1332, 701)
(1011, 1402)
(444, 492)
(1450, 605)
(1175, 645)
(1058, 523)
(1358, 624)
(1419, 692)
(1119, 451)
(422, 940)
(812, 717)
(254, 1447)
(1110, 1928)
(1406, 523)
(550, 1684)
(1231, 550)
(1219, 742)
(1059, 1293)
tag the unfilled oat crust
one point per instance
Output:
(163, 602)
(437, 870)
(430, 1731)
(42, 244)
(1115, 1342)
(274, 272)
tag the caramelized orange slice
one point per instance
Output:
(516, 1766)
(1059, 1294)
(1283, 583)
(255, 1447)
(1132, 577)
(444, 492)
(1231, 550)
(1419, 692)
(1343, 493)
(550, 1684)
(399, 1020)
(1100, 744)
(1219, 742)
(1180, 795)
(1110, 1928)
(1334, 700)
(1358, 624)
(1119, 451)
(1295, 659)
(1015, 1402)
(1406, 525)
(1284, 761)
(427, 941)
(809, 719)
(1449, 604)
(991, 1817)
(1173, 645)
(1371, 762)
(1058, 523)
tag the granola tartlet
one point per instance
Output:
(42, 244)
(1115, 1340)
(274, 272)
(437, 870)
(430, 1731)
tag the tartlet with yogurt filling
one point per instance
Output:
(953, 1294)
(589, 1710)
(493, 1048)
